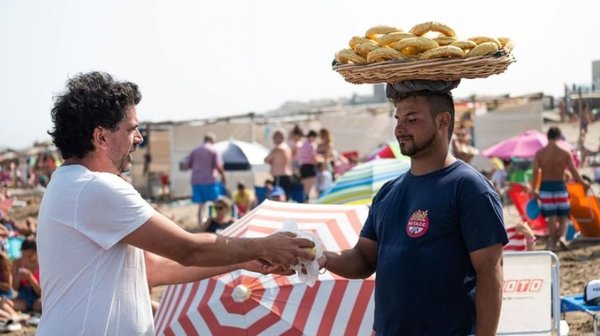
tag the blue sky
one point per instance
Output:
(194, 59)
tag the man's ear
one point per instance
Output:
(443, 119)
(99, 137)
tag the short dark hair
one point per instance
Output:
(91, 100)
(438, 103)
(29, 244)
(554, 133)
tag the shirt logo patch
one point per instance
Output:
(418, 224)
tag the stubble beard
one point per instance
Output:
(413, 149)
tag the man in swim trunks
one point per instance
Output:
(551, 162)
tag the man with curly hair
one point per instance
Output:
(101, 246)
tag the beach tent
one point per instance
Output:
(362, 182)
(241, 155)
(247, 303)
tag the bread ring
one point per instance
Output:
(380, 30)
(506, 43)
(464, 45)
(393, 37)
(443, 40)
(365, 47)
(346, 56)
(411, 52)
(443, 52)
(384, 54)
(483, 49)
(423, 28)
(356, 40)
(482, 39)
(419, 43)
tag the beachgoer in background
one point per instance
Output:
(277, 194)
(585, 119)
(325, 148)
(307, 157)
(430, 249)
(6, 278)
(26, 278)
(206, 164)
(549, 165)
(295, 143)
(243, 199)
(324, 178)
(222, 218)
(101, 245)
(280, 160)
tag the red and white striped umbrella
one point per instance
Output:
(248, 303)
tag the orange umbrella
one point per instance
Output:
(248, 303)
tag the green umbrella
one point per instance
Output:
(362, 182)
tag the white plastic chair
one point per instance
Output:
(531, 294)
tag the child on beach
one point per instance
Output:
(26, 275)
(324, 178)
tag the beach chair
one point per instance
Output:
(519, 197)
(530, 299)
(585, 211)
(575, 303)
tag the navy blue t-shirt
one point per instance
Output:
(425, 227)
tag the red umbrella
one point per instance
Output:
(247, 303)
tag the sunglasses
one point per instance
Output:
(219, 207)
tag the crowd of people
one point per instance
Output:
(302, 168)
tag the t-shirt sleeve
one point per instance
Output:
(482, 221)
(108, 209)
(368, 230)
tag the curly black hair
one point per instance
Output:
(91, 99)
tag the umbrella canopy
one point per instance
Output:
(361, 183)
(247, 303)
(391, 150)
(241, 155)
(524, 146)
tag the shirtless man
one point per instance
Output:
(552, 161)
(280, 160)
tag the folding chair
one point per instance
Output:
(571, 303)
(531, 294)
(585, 211)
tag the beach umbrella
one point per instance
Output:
(241, 155)
(523, 146)
(362, 182)
(247, 303)
(390, 150)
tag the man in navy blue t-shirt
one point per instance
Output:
(435, 234)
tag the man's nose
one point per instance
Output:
(138, 137)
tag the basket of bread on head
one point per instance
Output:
(428, 51)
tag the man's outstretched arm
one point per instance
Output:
(356, 263)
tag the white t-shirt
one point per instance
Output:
(92, 284)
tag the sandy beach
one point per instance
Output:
(578, 265)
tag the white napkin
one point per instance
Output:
(311, 267)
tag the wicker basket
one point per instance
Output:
(435, 69)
